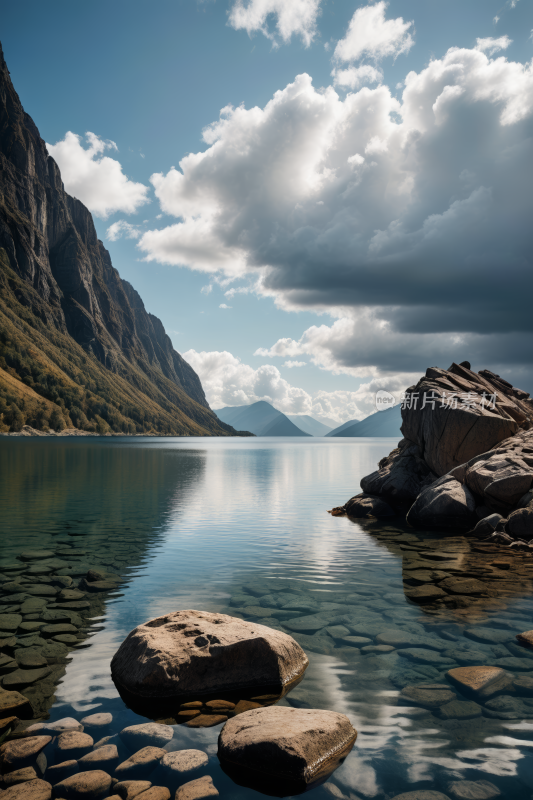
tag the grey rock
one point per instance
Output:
(146, 734)
(444, 504)
(427, 695)
(184, 762)
(368, 506)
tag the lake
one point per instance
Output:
(239, 525)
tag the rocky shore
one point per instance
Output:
(465, 462)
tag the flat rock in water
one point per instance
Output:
(105, 757)
(488, 635)
(31, 790)
(58, 772)
(206, 721)
(156, 793)
(14, 703)
(523, 686)
(183, 762)
(21, 678)
(481, 682)
(88, 785)
(36, 555)
(460, 709)
(16, 753)
(472, 790)
(428, 695)
(197, 790)
(421, 794)
(279, 744)
(458, 585)
(425, 593)
(19, 776)
(73, 744)
(97, 720)
(195, 652)
(525, 638)
(59, 726)
(127, 790)
(10, 622)
(422, 656)
(147, 734)
(140, 764)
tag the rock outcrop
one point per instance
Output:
(466, 460)
(77, 346)
(191, 653)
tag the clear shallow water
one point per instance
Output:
(241, 525)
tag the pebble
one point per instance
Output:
(482, 682)
(35, 555)
(156, 793)
(85, 785)
(150, 733)
(187, 713)
(31, 790)
(7, 664)
(61, 771)
(10, 622)
(513, 663)
(73, 744)
(182, 762)
(67, 638)
(15, 703)
(30, 627)
(473, 790)
(140, 764)
(25, 677)
(16, 752)
(105, 757)
(70, 595)
(127, 790)
(58, 628)
(459, 709)
(207, 720)
(422, 656)
(40, 589)
(192, 704)
(377, 648)
(488, 635)
(197, 790)
(59, 726)
(524, 686)
(97, 720)
(19, 776)
(220, 705)
(245, 705)
(460, 585)
(428, 695)
(425, 593)
(356, 641)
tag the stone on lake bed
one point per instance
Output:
(35, 555)
(472, 790)
(73, 744)
(425, 593)
(524, 686)
(197, 790)
(147, 733)
(525, 638)
(356, 641)
(59, 726)
(423, 656)
(10, 622)
(127, 790)
(30, 790)
(278, 744)
(14, 703)
(189, 653)
(431, 695)
(92, 784)
(100, 720)
(376, 649)
(482, 682)
(105, 757)
(58, 772)
(58, 628)
(460, 709)
(18, 776)
(19, 752)
(184, 762)
(140, 764)
(421, 794)
(206, 720)
(21, 678)
(488, 635)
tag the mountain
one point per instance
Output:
(260, 418)
(77, 346)
(382, 423)
(309, 424)
(344, 426)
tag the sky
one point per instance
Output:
(318, 198)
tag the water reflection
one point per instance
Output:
(241, 527)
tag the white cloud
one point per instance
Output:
(207, 289)
(293, 18)
(95, 179)
(370, 34)
(491, 46)
(223, 305)
(122, 228)
(229, 382)
(354, 77)
(291, 364)
(388, 214)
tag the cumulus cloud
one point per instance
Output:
(408, 219)
(294, 18)
(354, 77)
(95, 179)
(491, 46)
(122, 228)
(207, 289)
(370, 34)
(292, 364)
(223, 305)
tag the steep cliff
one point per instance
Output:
(70, 329)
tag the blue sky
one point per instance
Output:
(150, 77)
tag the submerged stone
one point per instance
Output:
(480, 681)
(91, 784)
(197, 790)
(146, 734)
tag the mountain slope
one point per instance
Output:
(260, 418)
(382, 423)
(70, 328)
(343, 427)
(309, 424)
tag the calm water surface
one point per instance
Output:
(237, 525)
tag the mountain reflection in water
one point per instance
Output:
(240, 527)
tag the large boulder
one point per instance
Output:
(365, 506)
(287, 750)
(444, 504)
(192, 653)
(503, 477)
(401, 476)
(454, 415)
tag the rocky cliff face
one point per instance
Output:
(466, 460)
(57, 280)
